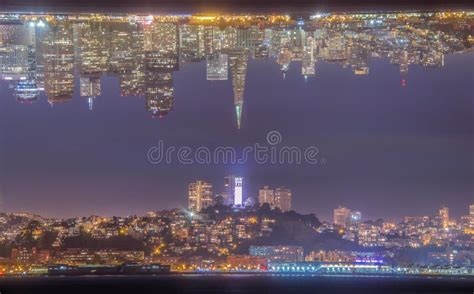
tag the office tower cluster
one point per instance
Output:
(201, 196)
(47, 53)
(279, 198)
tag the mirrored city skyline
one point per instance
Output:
(43, 56)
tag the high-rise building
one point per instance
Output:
(233, 194)
(91, 48)
(58, 54)
(308, 62)
(228, 195)
(90, 86)
(161, 60)
(13, 60)
(342, 216)
(199, 196)
(471, 216)
(26, 90)
(283, 199)
(217, 67)
(238, 67)
(444, 216)
(266, 195)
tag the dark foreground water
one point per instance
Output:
(236, 284)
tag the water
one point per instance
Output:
(238, 284)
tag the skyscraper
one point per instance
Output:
(58, 53)
(283, 199)
(199, 196)
(216, 67)
(471, 216)
(92, 48)
(161, 60)
(444, 216)
(90, 86)
(266, 195)
(342, 216)
(307, 64)
(238, 68)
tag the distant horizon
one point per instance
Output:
(327, 220)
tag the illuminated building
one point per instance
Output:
(162, 37)
(403, 63)
(191, 43)
(369, 235)
(341, 216)
(330, 256)
(266, 195)
(244, 38)
(159, 92)
(233, 193)
(40, 35)
(307, 64)
(120, 256)
(283, 199)
(471, 216)
(359, 58)
(278, 253)
(91, 48)
(26, 90)
(284, 60)
(161, 59)
(199, 196)
(356, 216)
(261, 52)
(132, 77)
(16, 33)
(246, 262)
(23, 255)
(90, 86)
(76, 256)
(443, 215)
(122, 48)
(13, 60)
(238, 68)
(216, 67)
(58, 52)
(238, 191)
(344, 216)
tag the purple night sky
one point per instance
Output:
(392, 151)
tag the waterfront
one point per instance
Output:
(199, 283)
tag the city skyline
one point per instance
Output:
(235, 239)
